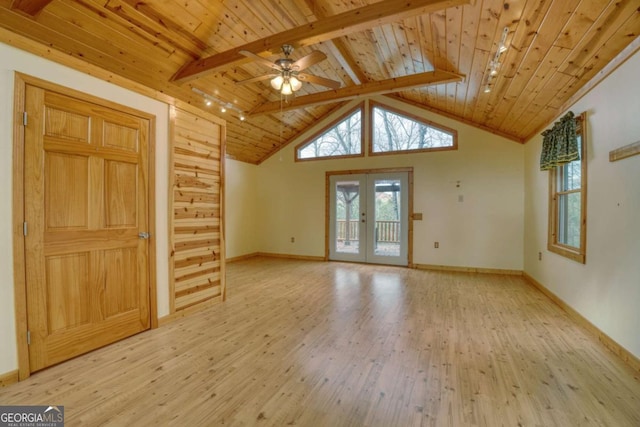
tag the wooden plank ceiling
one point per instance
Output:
(433, 53)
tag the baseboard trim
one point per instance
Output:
(290, 256)
(9, 378)
(467, 269)
(187, 311)
(241, 257)
(605, 339)
(274, 255)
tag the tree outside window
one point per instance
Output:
(340, 139)
(394, 131)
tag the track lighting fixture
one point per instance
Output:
(209, 100)
(494, 64)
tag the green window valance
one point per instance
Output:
(560, 143)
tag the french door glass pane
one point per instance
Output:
(347, 217)
(387, 217)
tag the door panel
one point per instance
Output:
(121, 202)
(67, 294)
(86, 200)
(67, 191)
(347, 222)
(120, 270)
(66, 125)
(120, 137)
(388, 211)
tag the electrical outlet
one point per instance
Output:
(539, 256)
(293, 240)
(436, 245)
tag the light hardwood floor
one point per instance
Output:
(331, 344)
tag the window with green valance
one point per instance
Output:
(564, 155)
(560, 143)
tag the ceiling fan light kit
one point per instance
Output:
(289, 75)
(286, 83)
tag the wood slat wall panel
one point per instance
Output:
(197, 257)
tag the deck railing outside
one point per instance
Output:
(386, 231)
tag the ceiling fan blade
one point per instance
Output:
(307, 61)
(260, 59)
(319, 80)
(256, 79)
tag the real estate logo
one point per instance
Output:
(31, 416)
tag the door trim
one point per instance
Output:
(327, 205)
(19, 265)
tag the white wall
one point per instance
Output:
(605, 290)
(17, 60)
(485, 230)
(241, 209)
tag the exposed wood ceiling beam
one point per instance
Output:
(339, 50)
(30, 7)
(373, 15)
(367, 89)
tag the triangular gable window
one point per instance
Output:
(395, 131)
(342, 138)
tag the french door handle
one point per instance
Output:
(143, 235)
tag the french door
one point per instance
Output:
(368, 218)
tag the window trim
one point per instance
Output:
(576, 254)
(324, 129)
(409, 116)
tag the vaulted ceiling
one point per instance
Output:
(436, 54)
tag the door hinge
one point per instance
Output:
(24, 118)
(28, 337)
(25, 231)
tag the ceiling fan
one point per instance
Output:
(289, 75)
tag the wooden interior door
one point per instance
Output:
(86, 201)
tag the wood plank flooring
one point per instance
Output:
(333, 344)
